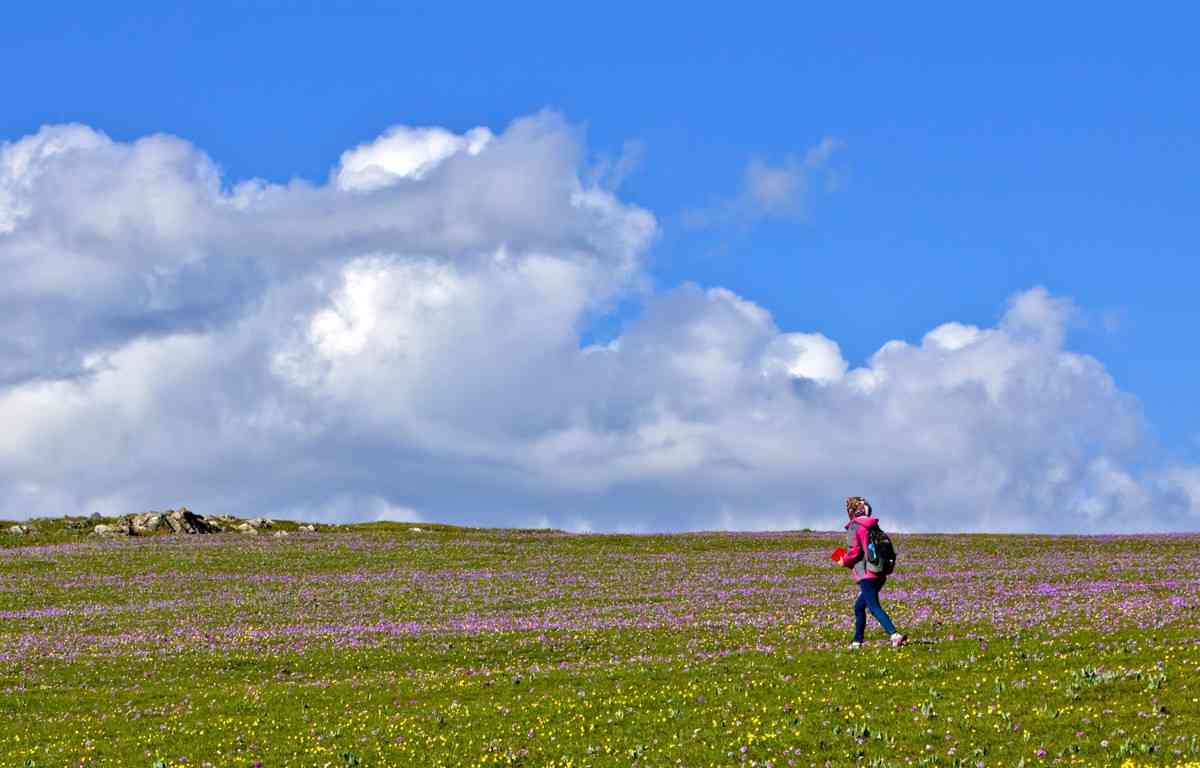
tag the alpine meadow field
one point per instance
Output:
(385, 645)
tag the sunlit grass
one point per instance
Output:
(377, 645)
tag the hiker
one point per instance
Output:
(870, 576)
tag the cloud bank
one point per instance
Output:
(404, 341)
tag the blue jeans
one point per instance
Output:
(868, 597)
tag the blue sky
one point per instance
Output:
(980, 153)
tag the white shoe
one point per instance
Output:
(855, 646)
(898, 639)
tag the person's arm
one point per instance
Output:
(856, 551)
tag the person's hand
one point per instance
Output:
(842, 561)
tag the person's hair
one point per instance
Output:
(857, 506)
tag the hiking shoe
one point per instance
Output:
(855, 645)
(899, 640)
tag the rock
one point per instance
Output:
(248, 530)
(259, 522)
(309, 528)
(147, 523)
(181, 520)
(279, 534)
(417, 530)
(20, 530)
(184, 520)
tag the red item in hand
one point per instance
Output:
(837, 554)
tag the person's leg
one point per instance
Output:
(860, 616)
(870, 595)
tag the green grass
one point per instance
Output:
(377, 646)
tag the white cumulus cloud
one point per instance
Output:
(404, 153)
(403, 342)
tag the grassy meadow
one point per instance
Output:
(379, 645)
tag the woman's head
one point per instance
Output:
(857, 506)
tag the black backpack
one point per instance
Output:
(880, 556)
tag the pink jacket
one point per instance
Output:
(856, 547)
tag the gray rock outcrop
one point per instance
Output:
(181, 520)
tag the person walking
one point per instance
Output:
(870, 582)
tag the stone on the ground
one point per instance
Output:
(148, 523)
(183, 520)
